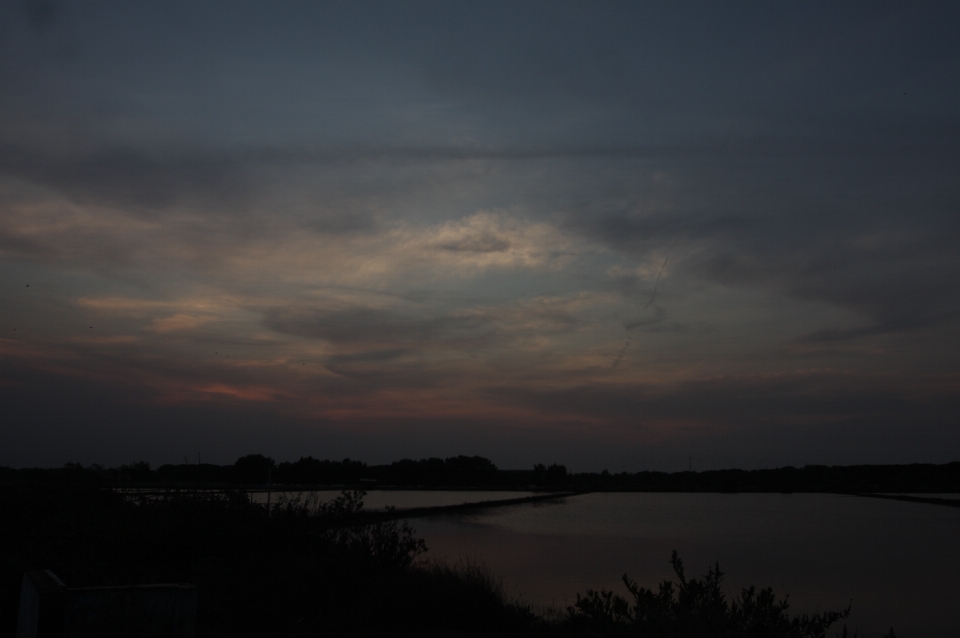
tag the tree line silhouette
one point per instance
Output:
(478, 472)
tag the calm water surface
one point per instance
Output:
(898, 562)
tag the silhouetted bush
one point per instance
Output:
(693, 609)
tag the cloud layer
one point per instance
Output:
(606, 236)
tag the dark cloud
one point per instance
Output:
(746, 422)
(80, 418)
(731, 403)
(146, 180)
(390, 348)
(485, 243)
(872, 234)
(826, 336)
(898, 276)
(510, 73)
(42, 14)
(127, 177)
(372, 326)
(339, 361)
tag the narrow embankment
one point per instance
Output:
(437, 510)
(932, 500)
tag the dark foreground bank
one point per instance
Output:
(311, 569)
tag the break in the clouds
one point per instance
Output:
(607, 235)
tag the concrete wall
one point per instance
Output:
(48, 609)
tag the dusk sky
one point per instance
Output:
(610, 235)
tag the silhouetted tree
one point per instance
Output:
(253, 468)
(556, 475)
(553, 476)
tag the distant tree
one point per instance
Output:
(553, 476)
(556, 475)
(540, 474)
(469, 470)
(139, 471)
(253, 468)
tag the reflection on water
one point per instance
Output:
(401, 499)
(899, 562)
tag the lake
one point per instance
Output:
(898, 562)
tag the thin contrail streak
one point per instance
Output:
(623, 351)
(653, 297)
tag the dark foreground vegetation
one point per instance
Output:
(694, 607)
(478, 472)
(310, 569)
